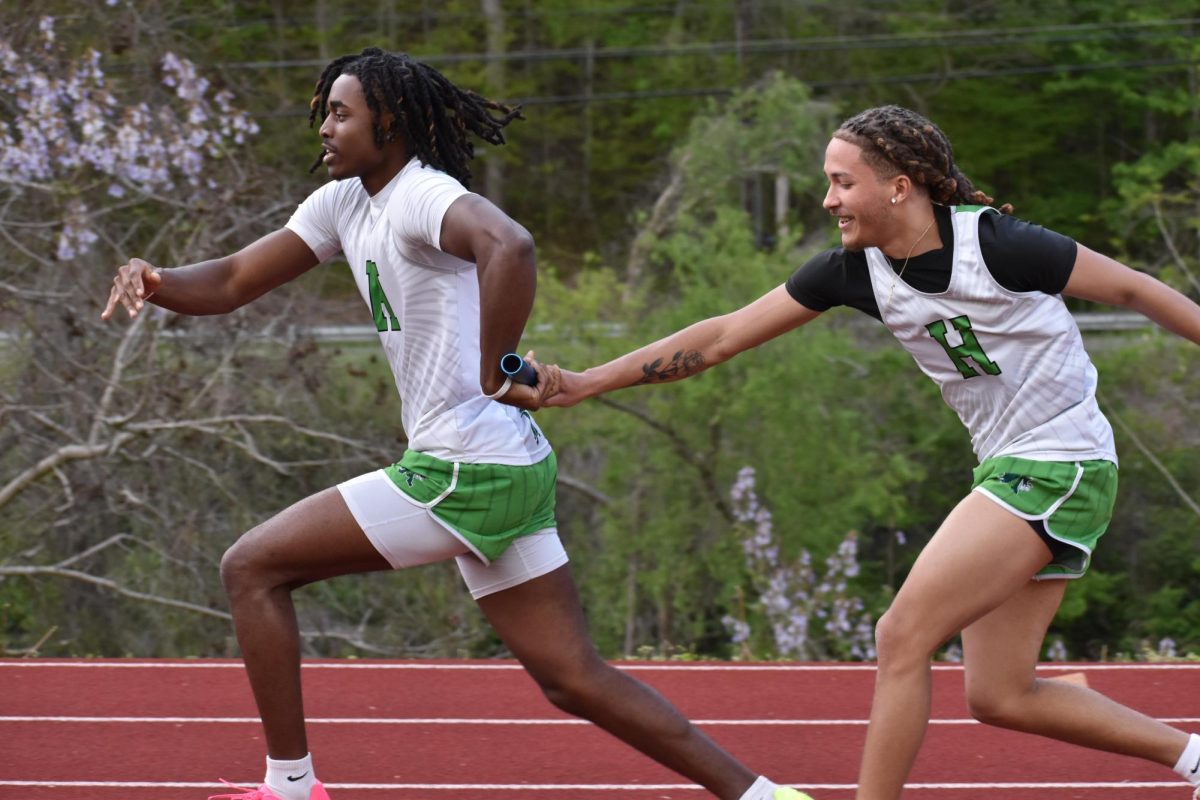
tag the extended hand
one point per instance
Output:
(570, 390)
(134, 282)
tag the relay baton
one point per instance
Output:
(518, 369)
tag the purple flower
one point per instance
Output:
(790, 595)
(69, 133)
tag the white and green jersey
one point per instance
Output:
(425, 304)
(1010, 363)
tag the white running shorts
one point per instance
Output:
(408, 535)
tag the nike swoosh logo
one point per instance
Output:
(297, 778)
(1196, 766)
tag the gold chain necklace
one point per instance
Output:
(904, 266)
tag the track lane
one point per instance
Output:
(503, 690)
(474, 753)
(439, 761)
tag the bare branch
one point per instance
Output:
(76, 452)
(661, 216)
(216, 373)
(112, 586)
(355, 638)
(45, 262)
(1158, 465)
(585, 489)
(65, 482)
(239, 419)
(702, 466)
(1170, 243)
(32, 294)
(35, 648)
(64, 455)
(51, 424)
(250, 220)
(96, 548)
(120, 361)
(206, 469)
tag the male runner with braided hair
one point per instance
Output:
(975, 297)
(449, 280)
(405, 95)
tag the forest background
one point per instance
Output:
(669, 167)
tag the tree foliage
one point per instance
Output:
(670, 170)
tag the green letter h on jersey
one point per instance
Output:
(968, 349)
(379, 302)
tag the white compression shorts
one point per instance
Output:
(409, 535)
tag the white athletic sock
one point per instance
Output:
(290, 780)
(1188, 764)
(761, 789)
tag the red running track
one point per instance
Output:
(167, 730)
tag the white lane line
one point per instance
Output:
(684, 667)
(603, 787)
(478, 721)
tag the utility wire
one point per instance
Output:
(939, 77)
(528, 13)
(991, 37)
(860, 82)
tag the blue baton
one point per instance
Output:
(516, 368)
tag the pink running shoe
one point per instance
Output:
(264, 793)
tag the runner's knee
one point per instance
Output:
(238, 566)
(901, 639)
(995, 705)
(575, 688)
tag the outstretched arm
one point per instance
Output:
(1101, 279)
(217, 286)
(691, 350)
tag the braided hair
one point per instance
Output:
(895, 140)
(413, 100)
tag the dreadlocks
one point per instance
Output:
(413, 100)
(896, 141)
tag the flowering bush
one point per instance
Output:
(809, 615)
(67, 138)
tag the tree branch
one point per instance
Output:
(683, 450)
(64, 455)
(354, 639)
(585, 489)
(1161, 467)
(112, 586)
(1170, 243)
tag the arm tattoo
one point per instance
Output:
(681, 366)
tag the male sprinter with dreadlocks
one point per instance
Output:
(449, 280)
(975, 297)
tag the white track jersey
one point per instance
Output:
(1012, 364)
(425, 305)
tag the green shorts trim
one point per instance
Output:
(1072, 501)
(485, 505)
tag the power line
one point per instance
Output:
(937, 77)
(575, 11)
(992, 37)
(860, 82)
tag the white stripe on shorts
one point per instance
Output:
(408, 535)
